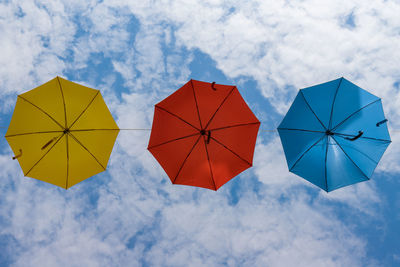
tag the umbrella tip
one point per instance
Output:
(18, 155)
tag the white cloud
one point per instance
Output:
(254, 232)
(34, 37)
(299, 44)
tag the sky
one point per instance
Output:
(139, 52)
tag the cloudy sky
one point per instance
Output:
(139, 52)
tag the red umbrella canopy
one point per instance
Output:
(203, 134)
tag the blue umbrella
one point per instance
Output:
(334, 134)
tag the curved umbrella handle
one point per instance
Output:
(213, 86)
(355, 137)
(19, 155)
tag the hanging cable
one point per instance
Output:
(135, 129)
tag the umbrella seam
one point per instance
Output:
(173, 140)
(351, 115)
(62, 94)
(177, 117)
(209, 164)
(41, 111)
(67, 144)
(223, 101)
(21, 134)
(197, 106)
(305, 153)
(233, 152)
(237, 125)
(326, 159)
(90, 103)
(305, 100)
(26, 174)
(350, 158)
(333, 103)
(77, 140)
(184, 161)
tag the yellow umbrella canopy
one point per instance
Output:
(62, 132)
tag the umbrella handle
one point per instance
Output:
(381, 122)
(19, 155)
(48, 143)
(213, 86)
(355, 137)
(208, 136)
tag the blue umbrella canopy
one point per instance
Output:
(334, 134)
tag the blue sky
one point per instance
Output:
(139, 52)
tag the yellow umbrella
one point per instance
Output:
(62, 132)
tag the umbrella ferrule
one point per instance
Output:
(328, 132)
(208, 133)
(19, 155)
(66, 130)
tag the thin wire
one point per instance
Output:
(148, 129)
(271, 131)
(135, 129)
(124, 129)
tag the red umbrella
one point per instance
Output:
(203, 134)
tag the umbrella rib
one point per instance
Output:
(352, 114)
(87, 150)
(209, 163)
(350, 158)
(177, 117)
(85, 109)
(312, 109)
(237, 125)
(233, 152)
(12, 135)
(301, 130)
(62, 94)
(66, 183)
(176, 139)
(42, 111)
(184, 161)
(364, 137)
(333, 103)
(37, 162)
(197, 106)
(326, 159)
(306, 152)
(223, 101)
